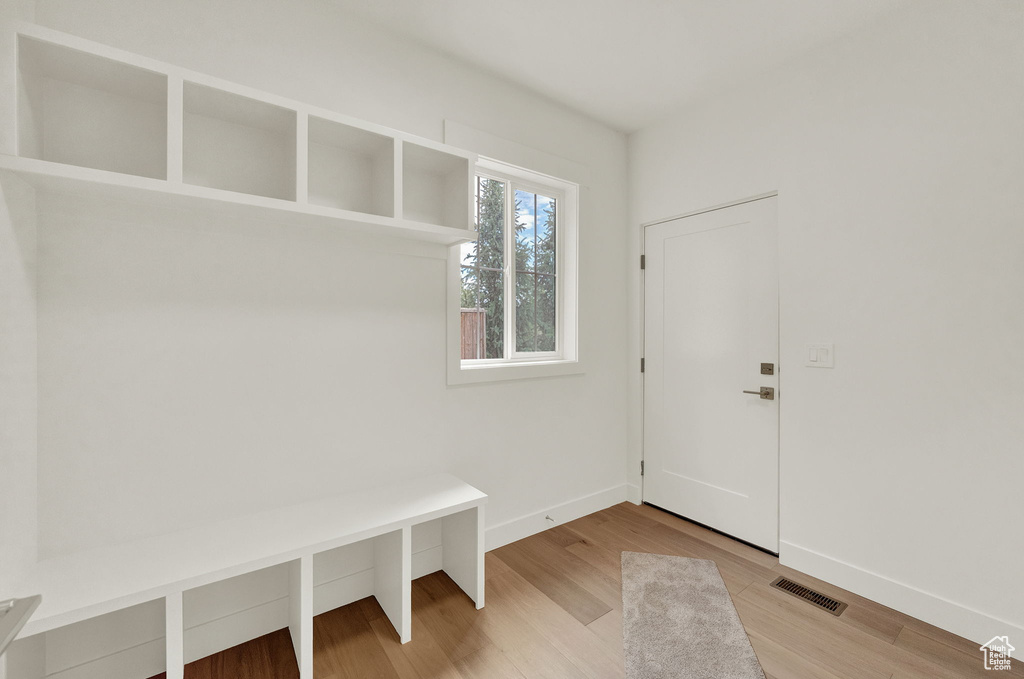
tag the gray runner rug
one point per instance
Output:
(679, 621)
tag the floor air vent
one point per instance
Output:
(820, 600)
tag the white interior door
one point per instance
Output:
(711, 318)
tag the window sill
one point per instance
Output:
(499, 372)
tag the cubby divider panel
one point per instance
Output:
(125, 644)
(81, 109)
(462, 551)
(235, 143)
(435, 186)
(351, 168)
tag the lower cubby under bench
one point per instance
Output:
(140, 609)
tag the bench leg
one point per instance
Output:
(462, 551)
(300, 616)
(175, 631)
(392, 579)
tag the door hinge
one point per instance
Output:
(643, 261)
(641, 467)
(642, 366)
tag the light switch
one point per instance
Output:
(820, 355)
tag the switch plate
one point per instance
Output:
(820, 355)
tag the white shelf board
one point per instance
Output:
(71, 65)
(94, 582)
(160, 193)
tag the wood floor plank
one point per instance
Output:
(493, 566)
(437, 605)
(943, 640)
(693, 530)
(874, 618)
(424, 652)
(605, 587)
(345, 646)
(517, 636)
(546, 577)
(781, 662)
(844, 641)
(608, 561)
(388, 639)
(970, 664)
(488, 662)
(814, 645)
(701, 548)
(626, 537)
(608, 628)
(577, 643)
(271, 655)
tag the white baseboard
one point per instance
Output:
(948, 615)
(525, 526)
(634, 494)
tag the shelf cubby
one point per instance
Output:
(435, 186)
(426, 548)
(82, 109)
(351, 168)
(235, 143)
(377, 567)
(229, 612)
(454, 544)
(94, 118)
(128, 643)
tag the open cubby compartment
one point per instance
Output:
(454, 544)
(435, 186)
(351, 168)
(78, 108)
(235, 143)
(229, 612)
(125, 644)
(377, 567)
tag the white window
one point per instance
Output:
(512, 293)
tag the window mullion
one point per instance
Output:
(510, 271)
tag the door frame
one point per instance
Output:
(642, 233)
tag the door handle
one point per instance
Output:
(766, 393)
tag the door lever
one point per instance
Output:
(766, 393)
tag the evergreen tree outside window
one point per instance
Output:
(536, 228)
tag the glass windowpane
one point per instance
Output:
(546, 301)
(546, 229)
(483, 294)
(490, 223)
(526, 326)
(492, 304)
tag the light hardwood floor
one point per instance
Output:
(554, 611)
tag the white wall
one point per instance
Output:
(192, 369)
(18, 525)
(898, 154)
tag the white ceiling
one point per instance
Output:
(625, 62)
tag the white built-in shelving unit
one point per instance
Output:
(137, 609)
(98, 119)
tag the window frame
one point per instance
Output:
(519, 364)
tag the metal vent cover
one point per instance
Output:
(820, 600)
